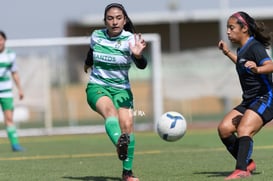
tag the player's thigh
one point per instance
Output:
(122, 98)
(229, 123)
(263, 106)
(259, 113)
(7, 103)
(250, 124)
(123, 101)
(94, 92)
(8, 117)
(105, 107)
(7, 107)
(100, 100)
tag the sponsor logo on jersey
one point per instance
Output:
(106, 58)
(118, 44)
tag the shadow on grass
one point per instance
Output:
(93, 178)
(213, 174)
(219, 174)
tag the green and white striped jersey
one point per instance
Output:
(112, 59)
(7, 65)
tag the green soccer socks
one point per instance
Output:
(12, 135)
(13, 138)
(113, 129)
(128, 163)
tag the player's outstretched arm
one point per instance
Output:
(226, 51)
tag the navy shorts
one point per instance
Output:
(262, 105)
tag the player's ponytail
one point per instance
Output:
(256, 29)
(129, 24)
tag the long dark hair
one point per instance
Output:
(129, 25)
(256, 29)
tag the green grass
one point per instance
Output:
(199, 156)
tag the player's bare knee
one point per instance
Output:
(224, 130)
(108, 112)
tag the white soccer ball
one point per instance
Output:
(172, 126)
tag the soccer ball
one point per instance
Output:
(172, 126)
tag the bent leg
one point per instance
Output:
(107, 110)
(250, 124)
(126, 120)
(227, 129)
(126, 124)
(245, 148)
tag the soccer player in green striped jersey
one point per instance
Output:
(112, 50)
(8, 71)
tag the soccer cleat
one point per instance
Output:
(238, 174)
(17, 148)
(122, 146)
(127, 175)
(251, 166)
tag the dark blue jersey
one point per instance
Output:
(253, 85)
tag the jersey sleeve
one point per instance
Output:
(13, 67)
(260, 54)
(92, 39)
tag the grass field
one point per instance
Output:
(199, 156)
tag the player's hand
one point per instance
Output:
(139, 46)
(252, 66)
(223, 46)
(21, 94)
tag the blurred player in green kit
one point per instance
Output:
(8, 71)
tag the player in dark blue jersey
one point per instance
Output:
(254, 67)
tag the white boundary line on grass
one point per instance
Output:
(71, 130)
